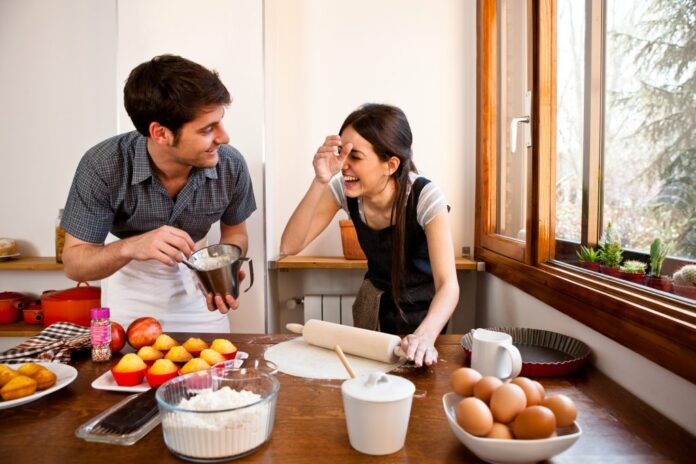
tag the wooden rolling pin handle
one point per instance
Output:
(295, 328)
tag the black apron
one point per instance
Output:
(417, 287)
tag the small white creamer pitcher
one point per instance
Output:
(492, 353)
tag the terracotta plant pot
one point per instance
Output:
(632, 277)
(663, 283)
(687, 291)
(612, 271)
(349, 240)
(11, 305)
(590, 266)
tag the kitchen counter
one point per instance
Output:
(310, 424)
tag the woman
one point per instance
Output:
(402, 224)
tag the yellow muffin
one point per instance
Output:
(162, 367)
(164, 343)
(212, 357)
(18, 387)
(6, 375)
(223, 346)
(45, 378)
(149, 354)
(29, 369)
(195, 345)
(196, 364)
(130, 362)
(178, 354)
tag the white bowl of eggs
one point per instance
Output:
(513, 422)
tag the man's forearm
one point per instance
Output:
(93, 262)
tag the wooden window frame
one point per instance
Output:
(660, 328)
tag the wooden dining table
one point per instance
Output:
(310, 425)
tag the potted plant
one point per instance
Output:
(658, 252)
(610, 254)
(633, 271)
(589, 258)
(684, 281)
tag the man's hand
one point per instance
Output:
(216, 302)
(166, 244)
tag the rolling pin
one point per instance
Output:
(359, 342)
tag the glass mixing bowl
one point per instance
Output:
(218, 415)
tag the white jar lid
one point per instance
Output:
(378, 387)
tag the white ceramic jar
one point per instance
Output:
(377, 408)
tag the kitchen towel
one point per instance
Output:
(55, 343)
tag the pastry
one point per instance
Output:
(29, 369)
(130, 362)
(18, 387)
(212, 357)
(178, 354)
(149, 354)
(196, 364)
(164, 343)
(44, 378)
(195, 345)
(6, 375)
(224, 347)
(7, 247)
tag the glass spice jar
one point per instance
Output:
(100, 334)
(60, 238)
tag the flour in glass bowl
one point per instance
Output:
(213, 435)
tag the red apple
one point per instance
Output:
(118, 337)
(143, 331)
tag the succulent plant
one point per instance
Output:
(658, 252)
(610, 253)
(686, 276)
(587, 255)
(633, 267)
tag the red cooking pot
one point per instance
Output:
(11, 305)
(70, 305)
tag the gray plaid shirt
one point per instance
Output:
(114, 190)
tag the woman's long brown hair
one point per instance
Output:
(389, 132)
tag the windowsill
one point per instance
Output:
(661, 329)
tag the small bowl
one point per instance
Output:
(509, 451)
(128, 379)
(219, 434)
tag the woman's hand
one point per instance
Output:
(420, 348)
(329, 158)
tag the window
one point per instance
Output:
(586, 116)
(626, 115)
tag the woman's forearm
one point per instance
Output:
(297, 231)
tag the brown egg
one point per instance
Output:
(463, 380)
(474, 416)
(507, 401)
(485, 387)
(530, 390)
(541, 389)
(500, 431)
(563, 408)
(534, 422)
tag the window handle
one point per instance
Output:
(522, 120)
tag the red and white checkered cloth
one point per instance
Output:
(54, 343)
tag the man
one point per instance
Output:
(159, 189)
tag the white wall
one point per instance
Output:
(58, 94)
(502, 305)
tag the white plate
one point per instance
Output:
(9, 257)
(65, 375)
(497, 450)
(106, 381)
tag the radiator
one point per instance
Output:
(330, 308)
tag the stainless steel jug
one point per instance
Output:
(217, 269)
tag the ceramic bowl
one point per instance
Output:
(509, 451)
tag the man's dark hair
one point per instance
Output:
(171, 90)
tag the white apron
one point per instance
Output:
(167, 293)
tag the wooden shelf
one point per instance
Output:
(338, 262)
(20, 329)
(31, 263)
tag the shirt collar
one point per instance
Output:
(142, 170)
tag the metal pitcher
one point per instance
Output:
(225, 278)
